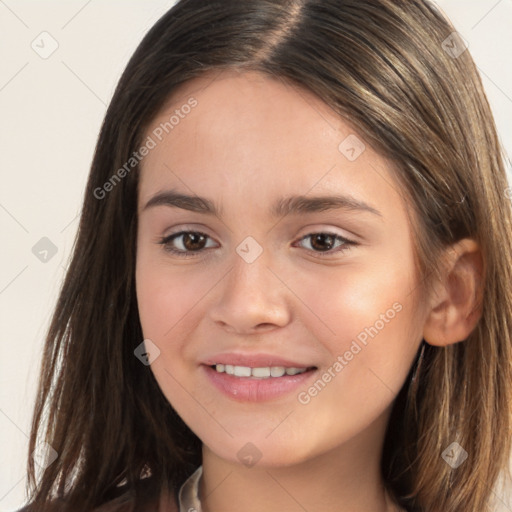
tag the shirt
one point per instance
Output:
(189, 493)
(188, 499)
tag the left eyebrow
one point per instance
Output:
(283, 207)
(310, 204)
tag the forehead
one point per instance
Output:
(261, 112)
(248, 135)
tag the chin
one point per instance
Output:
(260, 453)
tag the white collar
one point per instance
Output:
(189, 492)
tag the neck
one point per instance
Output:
(346, 478)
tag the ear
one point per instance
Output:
(456, 304)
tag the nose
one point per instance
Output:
(251, 298)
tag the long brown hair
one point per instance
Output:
(384, 65)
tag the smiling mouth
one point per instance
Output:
(266, 372)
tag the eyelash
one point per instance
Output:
(347, 244)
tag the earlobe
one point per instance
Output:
(456, 305)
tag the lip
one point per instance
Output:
(254, 360)
(250, 389)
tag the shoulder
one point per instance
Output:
(123, 500)
(149, 499)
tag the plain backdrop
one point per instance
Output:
(51, 110)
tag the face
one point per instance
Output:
(328, 286)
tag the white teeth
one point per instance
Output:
(242, 371)
(259, 373)
(277, 371)
(292, 371)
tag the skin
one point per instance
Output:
(250, 140)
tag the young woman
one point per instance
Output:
(290, 288)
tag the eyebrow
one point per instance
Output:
(282, 207)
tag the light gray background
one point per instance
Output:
(51, 111)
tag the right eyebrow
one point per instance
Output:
(184, 201)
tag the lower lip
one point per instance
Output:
(249, 389)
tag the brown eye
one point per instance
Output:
(193, 241)
(185, 242)
(322, 241)
(325, 243)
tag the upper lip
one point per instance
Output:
(254, 360)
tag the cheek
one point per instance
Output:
(369, 356)
(165, 303)
(343, 302)
(170, 303)
(365, 314)
(169, 313)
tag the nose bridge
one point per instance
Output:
(251, 294)
(251, 272)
